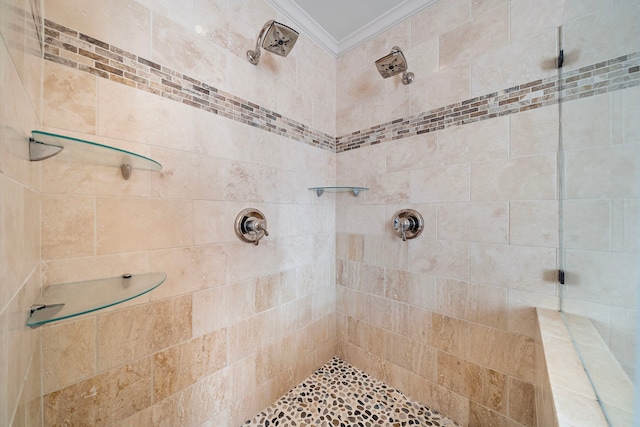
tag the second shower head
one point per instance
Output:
(276, 38)
(394, 63)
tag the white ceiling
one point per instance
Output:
(339, 25)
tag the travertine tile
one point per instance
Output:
(366, 161)
(479, 7)
(473, 222)
(437, 19)
(122, 22)
(586, 224)
(473, 38)
(145, 117)
(129, 334)
(503, 351)
(590, 271)
(442, 184)
(68, 226)
(454, 374)
(524, 178)
(602, 172)
(192, 54)
(482, 416)
(440, 398)
(519, 267)
(508, 67)
(521, 402)
(410, 288)
(189, 269)
(534, 223)
(534, 132)
(387, 105)
(440, 258)
(179, 367)
(417, 152)
(274, 290)
(420, 326)
(596, 33)
(372, 279)
(522, 313)
(69, 98)
(487, 305)
(450, 335)
(103, 399)
(452, 297)
(19, 246)
(206, 399)
(350, 119)
(489, 388)
(441, 88)
(355, 247)
(626, 109)
(587, 122)
(69, 353)
(475, 142)
(133, 224)
(530, 18)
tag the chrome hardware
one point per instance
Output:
(394, 63)
(251, 226)
(407, 224)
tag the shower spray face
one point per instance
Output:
(279, 39)
(392, 64)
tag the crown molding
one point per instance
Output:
(336, 48)
(304, 21)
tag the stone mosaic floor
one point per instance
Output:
(338, 395)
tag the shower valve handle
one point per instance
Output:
(407, 224)
(251, 226)
(257, 225)
(403, 225)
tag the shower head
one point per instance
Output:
(276, 38)
(394, 63)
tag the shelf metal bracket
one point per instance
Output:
(40, 151)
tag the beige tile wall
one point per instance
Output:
(20, 74)
(467, 287)
(235, 325)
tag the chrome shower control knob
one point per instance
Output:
(407, 224)
(251, 226)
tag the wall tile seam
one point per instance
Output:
(110, 62)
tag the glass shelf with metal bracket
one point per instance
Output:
(44, 145)
(67, 300)
(321, 190)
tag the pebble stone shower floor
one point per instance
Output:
(339, 395)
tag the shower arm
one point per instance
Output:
(256, 53)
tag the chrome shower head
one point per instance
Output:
(276, 38)
(394, 63)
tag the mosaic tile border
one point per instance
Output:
(85, 53)
(606, 76)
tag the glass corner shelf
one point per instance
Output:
(355, 190)
(67, 300)
(43, 145)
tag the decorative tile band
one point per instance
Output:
(82, 52)
(606, 76)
